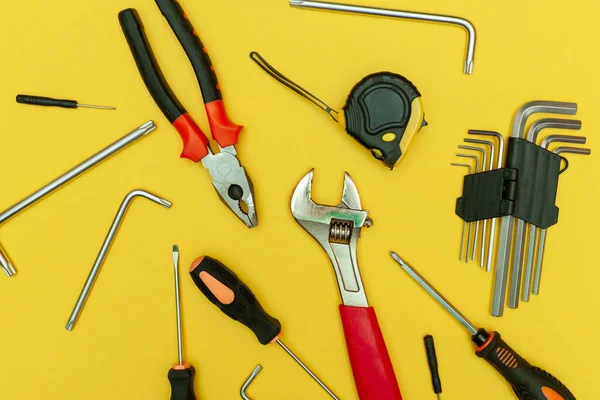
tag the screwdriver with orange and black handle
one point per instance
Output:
(234, 298)
(181, 376)
(528, 382)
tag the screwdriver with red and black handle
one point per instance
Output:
(527, 381)
(234, 298)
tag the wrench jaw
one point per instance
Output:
(337, 230)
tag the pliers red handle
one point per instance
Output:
(229, 178)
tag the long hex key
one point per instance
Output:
(87, 287)
(248, 381)
(542, 240)
(500, 163)
(464, 228)
(533, 230)
(484, 234)
(476, 158)
(507, 222)
(484, 156)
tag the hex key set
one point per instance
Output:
(521, 191)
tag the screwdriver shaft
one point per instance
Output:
(177, 302)
(98, 107)
(287, 350)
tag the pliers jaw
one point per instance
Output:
(234, 187)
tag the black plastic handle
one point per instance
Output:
(195, 50)
(45, 101)
(223, 288)
(182, 382)
(528, 382)
(148, 66)
(433, 364)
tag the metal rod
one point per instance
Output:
(470, 225)
(500, 164)
(506, 231)
(548, 140)
(87, 287)
(98, 107)
(482, 169)
(291, 354)
(435, 294)
(178, 303)
(248, 381)
(464, 228)
(542, 242)
(128, 139)
(484, 235)
(551, 123)
(445, 19)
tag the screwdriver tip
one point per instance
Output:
(175, 248)
(396, 257)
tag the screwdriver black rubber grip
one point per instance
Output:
(528, 382)
(433, 364)
(234, 298)
(46, 101)
(155, 81)
(195, 50)
(182, 383)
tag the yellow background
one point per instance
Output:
(125, 341)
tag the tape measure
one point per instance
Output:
(383, 112)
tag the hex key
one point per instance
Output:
(87, 287)
(446, 19)
(484, 234)
(482, 169)
(499, 164)
(476, 158)
(507, 222)
(462, 236)
(542, 241)
(250, 379)
(522, 226)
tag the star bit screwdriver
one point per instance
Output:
(50, 102)
(181, 376)
(234, 298)
(528, 382)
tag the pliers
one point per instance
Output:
(229, 178)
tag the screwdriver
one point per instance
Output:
(433, 365)
(224, 289)
(528, 382)
(181, 376)
(50, 102)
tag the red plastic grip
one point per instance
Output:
(223, 130)
(195, 142)
(371, 365)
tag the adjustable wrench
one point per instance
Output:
(337, 229)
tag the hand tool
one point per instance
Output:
(383, 112)
(484, 234)
(234, 187)
(433, 365)
(87, 287)
(533, 230)
(248, 381)
(181, 376)
(476, 158)
(143, 130)
(517, 269)
(500, 163)
(484, 157)
(337, 230)
(234, 298)
(464, 228)
(542, 240)
(507, 222)
(50, 102)
(527, 381)
(445, 19)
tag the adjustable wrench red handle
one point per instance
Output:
(371, 365)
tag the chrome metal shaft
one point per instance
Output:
(478, 168)
(464, 228)
(178, 303)
(248, 381)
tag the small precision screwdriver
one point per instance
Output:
(528, 382)
(50, 102)
(181, 376)
(433, 365)
(234, 298)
